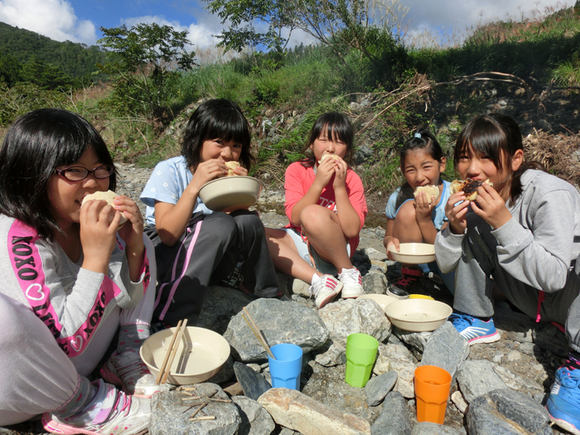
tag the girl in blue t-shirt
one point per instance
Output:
(194, 246)
(417, 219)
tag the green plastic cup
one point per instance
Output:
(361, 352)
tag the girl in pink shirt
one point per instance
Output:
(326, 209)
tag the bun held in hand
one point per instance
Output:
(469, 187)
(108, 196)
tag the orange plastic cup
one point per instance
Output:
(432, 385)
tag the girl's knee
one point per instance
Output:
(406, 213)
(316, 216)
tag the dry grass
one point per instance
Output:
(556, 152)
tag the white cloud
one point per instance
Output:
(457, 16)
(53, 18)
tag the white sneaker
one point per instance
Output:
(129, 372)
(118, 413)
(325, 288)
(352, 283)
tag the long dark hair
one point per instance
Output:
(331, 124)
(498, 137)
(35, 145)
(216, 119)
(422, 140)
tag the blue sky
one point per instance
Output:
(79, 20)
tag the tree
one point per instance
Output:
(333, 23)
(144, 61)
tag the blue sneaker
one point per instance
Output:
(563, 405)
(474, 330)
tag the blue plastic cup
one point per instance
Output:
(286, 368)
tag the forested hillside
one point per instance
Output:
(26, 56)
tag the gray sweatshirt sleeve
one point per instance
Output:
(540, 255)
(448, 249)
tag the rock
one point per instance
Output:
(253, 383)
(170, 414)
(477, 378)
(280, 322)
(507, 412)
(298, 412)
(446, 349)
(402, 362)
(255, 419)
(335, 355)
(427, 428)
(327, 386)
(349, 316)
(394, 419)
(219, 305)
(378, 387)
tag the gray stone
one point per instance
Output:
(280, 322)
(402, 361)
(477, 378)
(255, 419)
(350, 316)
(379, 386)
(170, 413)
(394, 418)
(219, 305)
(375, 282)
(327, 386)
(427, 428)
(446, 349)
(253, 383)
(335, 355)
(505, 411)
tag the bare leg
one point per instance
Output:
(324, 233)
(286, 258)
(406, 228)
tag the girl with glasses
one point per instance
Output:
(72, 279)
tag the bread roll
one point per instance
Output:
(431, 190)
(108, 196)
(469, 187)
(231, 166)
(328, 156)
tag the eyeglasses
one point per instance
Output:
(79, 173)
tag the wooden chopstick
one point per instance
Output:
(164, 364)
(165, 368)
(257, 332)
(180, 333)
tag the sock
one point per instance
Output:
(573, 361)
(315, 278)
(132, 336)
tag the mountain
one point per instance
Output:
(75, 61)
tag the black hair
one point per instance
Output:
(498, 137)
(35, 145)
(216, 119)
(425, 141)
(422, 140)
(333, 125)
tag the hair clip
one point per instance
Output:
(418, 135)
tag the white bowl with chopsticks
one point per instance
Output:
(200, 354)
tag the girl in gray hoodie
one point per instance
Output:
(521, 236)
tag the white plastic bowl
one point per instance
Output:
(231, 193)
(418, 315)
(414, 253)
(382, 300)
(200, 355)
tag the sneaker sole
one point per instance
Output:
(65, 429)
(492, 338)
(560, 422)
(330, 297)
(352, 295)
